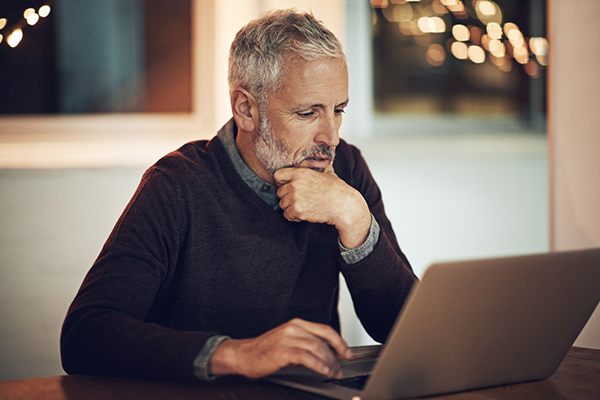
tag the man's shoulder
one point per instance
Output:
(194, 161)
(198, 154)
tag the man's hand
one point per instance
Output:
(296, 342)
(308, 195)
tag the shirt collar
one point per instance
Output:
(266, 190)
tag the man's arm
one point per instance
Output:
(378, 282)
(296, 342)
(113, 325)
(109, 330)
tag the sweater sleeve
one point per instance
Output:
(379, 283)
(114, 325)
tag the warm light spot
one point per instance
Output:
(476, 54)
(509, 26)
(413, 1)
(438, 7)
(15, 38)
(399, 13)
(459, 50)
(456, 7)
(44, 11)
(494, 30)
(431, 25)
(485, 42)
(379, 3)
(532, 69)
(516, 38)
(461, 33)
(435, 55)
(486, 8)
(497, 48)
(2, 23)
(439, 25)
(488, 11)
(450, 2)
(476, 34)
(28, 12)
(33, 19)
(509, 49)
(521, 55)
(538, 46)
(543, 60)
(409, 28)
(1, 38)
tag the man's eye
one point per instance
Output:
(340, 111)
(306, 114)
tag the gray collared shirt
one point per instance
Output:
(268, 192)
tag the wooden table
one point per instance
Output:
(578, 377)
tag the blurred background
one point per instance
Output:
(480, 149)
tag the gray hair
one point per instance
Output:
(261, 48)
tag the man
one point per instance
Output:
(226, 260)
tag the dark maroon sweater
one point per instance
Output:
(197, 253)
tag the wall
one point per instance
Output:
(574, 139)
(53, 223)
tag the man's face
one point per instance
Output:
(300, 125)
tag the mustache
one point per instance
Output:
(320, 150)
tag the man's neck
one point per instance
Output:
(266, 190)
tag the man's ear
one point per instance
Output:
(245, 109)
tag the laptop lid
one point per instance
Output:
(479, 323)
(474, 324)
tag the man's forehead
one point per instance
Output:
(315, 78)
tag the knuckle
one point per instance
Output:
(290, 329)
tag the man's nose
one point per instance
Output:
(329, 132)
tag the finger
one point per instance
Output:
(283, 190)
(308, 359)
(283, 175)
(328, 334)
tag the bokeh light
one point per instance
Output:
(436, 55)
(476, 54)
(33, 19)
(15, 38)
(460, 50)
(28, 12)
(461, 33)
(44, 11)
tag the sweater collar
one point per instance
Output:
(265, 190)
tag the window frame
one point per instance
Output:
(119, 131)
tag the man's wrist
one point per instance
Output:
(352, 256)
(354, 224)
(202, 362)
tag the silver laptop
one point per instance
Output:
(474, 324)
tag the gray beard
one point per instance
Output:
(275, 155)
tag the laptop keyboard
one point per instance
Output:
(354, 382)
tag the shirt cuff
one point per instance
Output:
(352, 256)
(202, 361)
